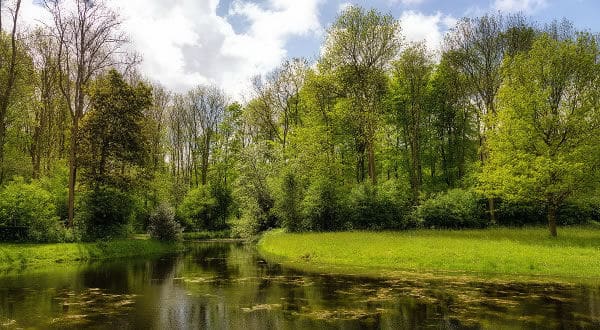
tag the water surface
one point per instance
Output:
(228, 286)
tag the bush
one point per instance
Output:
(324, 208)
(163, 226)
(288, 202)
(30, 206)
(105, 212)
(456, 208)
(524, 213)
(206, 208)
(380, 207)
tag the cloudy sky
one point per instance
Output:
(226, 42)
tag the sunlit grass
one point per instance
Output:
(19, 255)
(529, 251)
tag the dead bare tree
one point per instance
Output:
(89, 42)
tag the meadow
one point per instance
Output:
(496, 251)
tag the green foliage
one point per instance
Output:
(456, 208)
(253, 192)
(163, 226)
(105, 212)
(113, 134)
(206, 208)
(545, 146)
(31, 206)
(324, 207)
(288, 203)
(381, 207)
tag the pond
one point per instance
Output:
(228, 286)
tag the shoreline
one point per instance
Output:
(22, 256)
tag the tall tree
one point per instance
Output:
(8, 65)
(89, 42)
(359, 47)
(50, 116)
(453, 127)
(544, 146)
(478, 47)
(113, 133)
(411, 77)
(208, 103)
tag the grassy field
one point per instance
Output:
(37, 255)
(501, 251)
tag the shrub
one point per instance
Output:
(288, 202)
(206, 208)
(163, 226)
(105, 212)
(523, 213)
(324, 208)
(380, 207)
(456, 208)
(520, 213)
(30, 206)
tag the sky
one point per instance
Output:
(226, 42)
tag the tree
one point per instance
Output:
(113, 131)
(8, 82)
(411, 77)
(50, 115)
(545, 144)
(89, 42)
(207, 105)
(453, 129)
(359, 47)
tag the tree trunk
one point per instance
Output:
(72, 170)
(372, 172)
(492, 210)
(2, 140)
(552, 209)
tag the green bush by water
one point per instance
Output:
(105, 212)
(206, 207)
(163, 226)
(30, 206)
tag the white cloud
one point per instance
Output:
(409, 2)
(526, 6)
(343, 6)
(418, 27)
(185, 42)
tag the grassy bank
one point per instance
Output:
(501, 251)
(39, 255)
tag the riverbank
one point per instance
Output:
(14, 256)
(575, 253)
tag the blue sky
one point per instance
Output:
(226, 42)
(583, 13)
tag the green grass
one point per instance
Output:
(494, 252)
(38, 255)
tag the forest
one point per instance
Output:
(499, 127)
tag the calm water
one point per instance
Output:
(228, 286)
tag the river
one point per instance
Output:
(228, 286)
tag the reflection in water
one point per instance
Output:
(227, 286)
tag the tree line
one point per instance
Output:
(499, 127)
